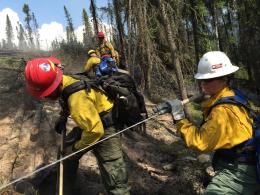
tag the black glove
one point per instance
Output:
(73, 136)
(162, 108)
(60, 124)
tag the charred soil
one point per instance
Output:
(158, 162)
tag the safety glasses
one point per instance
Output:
(210, 80)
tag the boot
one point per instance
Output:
(25, 187)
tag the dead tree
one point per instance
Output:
(173, 50)
(120, 28)
(145, 44)
(94, 16)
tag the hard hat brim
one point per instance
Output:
(54, 60)
(225, 72)
(49, 90)
(91, 52)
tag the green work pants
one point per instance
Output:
(233, 179)
(111, 165)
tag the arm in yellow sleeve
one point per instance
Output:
(98, 52)
(216, 132)
(86, 116)
(91, 63)
(87, 66)
(110, 46)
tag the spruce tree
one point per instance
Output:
(94, 15)
(9, 33)
(28, 27)
(69, 29)
(21, 35)
(36, 32)
(87, 34)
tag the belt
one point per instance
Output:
(246, 160)
(233, 159)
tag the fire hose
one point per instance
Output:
(156, 113)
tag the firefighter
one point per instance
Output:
(105, 49)
(225, 129)
(92, 112)
(92, 62)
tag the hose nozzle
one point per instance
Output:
(166, 108)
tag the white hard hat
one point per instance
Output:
(214, 64)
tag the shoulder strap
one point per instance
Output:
(74, 87)
(238, 99)
(85, 82)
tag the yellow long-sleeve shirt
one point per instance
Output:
(106, 48)
(91, 63)
(84, 109)
(225, 126)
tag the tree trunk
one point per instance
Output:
(230, 33)
(194, 22)
(148, 65)
(214, 12)
(121, 33)
(94, 16)
(129, 27)
(173, 49)
(144, 44)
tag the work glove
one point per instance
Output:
(25, 187)
(162, 108)
(69, 150)
(176, 109)
(60, 124)
(73, 136)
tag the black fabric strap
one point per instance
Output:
(75, 87)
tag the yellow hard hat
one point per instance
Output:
(91, 51)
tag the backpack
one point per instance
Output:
(105, 50)
(129, 106)
(250, 147)
(107, 66)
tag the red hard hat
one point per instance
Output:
(56, 61)
(101, 35)
(42, 77)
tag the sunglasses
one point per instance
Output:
(209, 80)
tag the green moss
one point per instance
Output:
(195, 111)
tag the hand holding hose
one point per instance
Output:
(175, 107)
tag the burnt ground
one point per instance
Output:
(158, 162)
